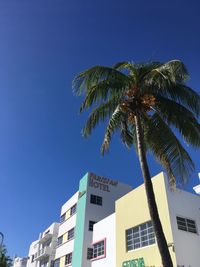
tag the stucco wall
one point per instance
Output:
(187, 245)
(132, 210)
(105, 229)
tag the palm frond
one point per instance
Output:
(91, 77)
(183, 95)
(103, 90)
(128, 136)
(113, 125)
(163, 143)
(99, 114)
(163, 77)
(180, 117)
(131, 67)
(174, 70)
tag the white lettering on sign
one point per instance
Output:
(101, 182)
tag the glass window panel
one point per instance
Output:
(142, 234)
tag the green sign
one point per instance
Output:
(134, 263)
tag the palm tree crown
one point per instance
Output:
(157, 93)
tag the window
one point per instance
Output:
(186, 225)
(46, 232)
(140, 236)
(91, 223)
(59, 240)
(73, 210)
(99, 249)
(57, 263)
(89, 253)
(32, 258)
(68, 259)
(62, 218)
(96, 200)
(70, 234)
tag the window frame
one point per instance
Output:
(59, 238)
(101, 256)
(72, 229)
(73, 210)
(68, 255)
(91, 225)
(58, 260)
(139, 235)
(187, 228)
(89, 252)
(61, 218)
(96, 200)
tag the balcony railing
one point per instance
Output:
(45, 237)
(43, 253)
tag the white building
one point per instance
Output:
(42, 251)
(94, 201)
(20, 262)
(104, 233)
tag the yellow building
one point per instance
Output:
(179, 212)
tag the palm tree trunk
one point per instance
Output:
(153, 210)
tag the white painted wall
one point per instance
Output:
(67, 225)
(106, 229)
(20, 262)
(70, 202)
(64, 249)
(64, 227)
(187, 245)
(34, 247)
(37, 245)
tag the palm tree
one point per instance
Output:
(145, 103)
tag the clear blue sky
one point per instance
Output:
(43, 45)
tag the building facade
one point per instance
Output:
(136, 245)
(106, 223)
(20, 262)
(94, 201)
(42, 251)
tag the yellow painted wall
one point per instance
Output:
(132, 210)
(62, 261)
(65, 237)
(67, 214)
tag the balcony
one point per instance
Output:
(43, 253)
(45, 237)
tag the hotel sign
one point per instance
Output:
(101, 182)
(134, 263)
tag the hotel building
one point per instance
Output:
(94, 201)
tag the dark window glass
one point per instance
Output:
(70, 234)
(96, 200)
(73, 210)
(32, 258)
(91, 223)
(89, 253)
(57, 263)
(68, 259)
(186, 225)
(59, 240)
(62, 218)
